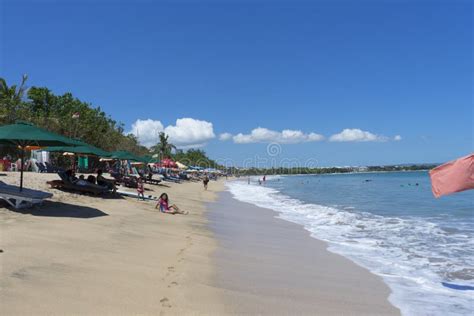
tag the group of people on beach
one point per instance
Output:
(91, 180)
(163, 203)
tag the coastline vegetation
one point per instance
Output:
(67, 115)
(332, 170)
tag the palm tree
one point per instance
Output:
(163, 148)
(11, 98)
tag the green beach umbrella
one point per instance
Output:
(84, 149)
(24, 135)
(123, 155)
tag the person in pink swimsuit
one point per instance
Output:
(164, 206)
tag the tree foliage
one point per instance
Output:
(164, 148)
(195, 157)
(56, 113)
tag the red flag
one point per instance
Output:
(453, 176)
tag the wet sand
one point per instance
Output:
(268, 266)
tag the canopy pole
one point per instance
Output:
(22, 158)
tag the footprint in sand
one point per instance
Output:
(173, 284)
(171, 269)
(165, 302)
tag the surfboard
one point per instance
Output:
(458, 286)
(135, 195)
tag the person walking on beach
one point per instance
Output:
(164, 206)
(140, 189)
(205, 182)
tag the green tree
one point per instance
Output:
(164, 148)
(11, 100)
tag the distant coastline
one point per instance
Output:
(336, 170)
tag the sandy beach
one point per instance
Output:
(79, 254)
(267, 266)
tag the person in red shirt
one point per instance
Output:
(141, 189)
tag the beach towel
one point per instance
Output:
(453, 176)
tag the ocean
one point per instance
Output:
(389, 223)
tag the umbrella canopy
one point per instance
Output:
(181, 166)
(86, 150)
(24, 135)
(168, 163)
(123, 155)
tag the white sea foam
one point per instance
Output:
(412, 255)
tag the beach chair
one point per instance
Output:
(65, 184)
(168, 178)
(149, 179)
(129, 182)
(50, 168)
(41, 167)
(21, 199)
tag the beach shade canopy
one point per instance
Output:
(146, 159)
(85, 150)
(25, 135)
(123, 155)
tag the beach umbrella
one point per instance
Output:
(24, 135)
(181, 166)
(123, 155)
(168, 163)
(84, 149)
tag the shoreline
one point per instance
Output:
(258, 252)
(120, 256)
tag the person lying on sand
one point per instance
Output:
(101, 180)
(166, 208)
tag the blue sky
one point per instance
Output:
(377, 69)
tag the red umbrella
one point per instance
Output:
(168, 163)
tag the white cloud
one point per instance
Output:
(397, 138)
(187, 132)
(225, 136)
(147, 131)
(265, 135)
(356, 135)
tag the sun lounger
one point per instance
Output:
(170, 178)
(65, 184)
(20, 199)
(41, 167)
(149, 179)
(129, 182)
(50, 168)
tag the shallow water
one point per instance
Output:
(389, 223)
